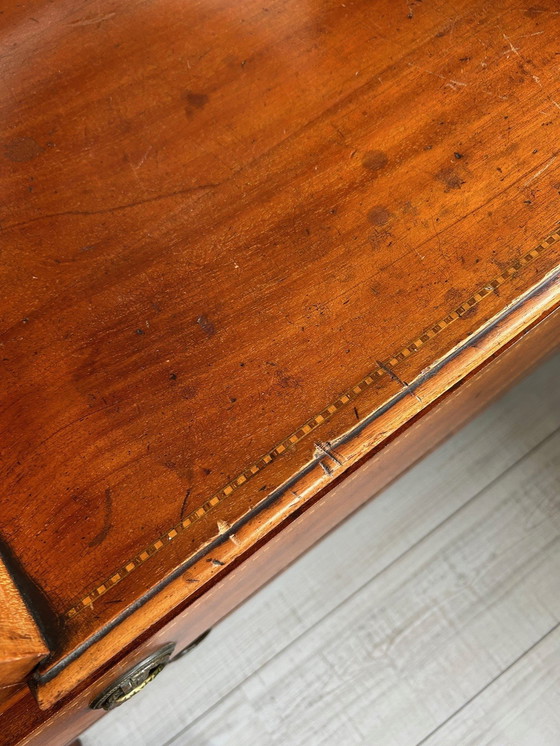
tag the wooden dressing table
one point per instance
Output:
(256, 260)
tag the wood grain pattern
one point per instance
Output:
(389, 367)
(208, 565)
(411, 518)
(214, 234)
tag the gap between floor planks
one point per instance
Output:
(406, 652)
(360, 552)
(521, 706)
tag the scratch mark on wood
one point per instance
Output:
(101, 536)
(206, 325)
(116, 208)
(448, 81)
(326, 449)
(527, 64)
(92, 21)
(512, 48)
(184, 503)
(223, 528)
(541, 171)
(391, 373)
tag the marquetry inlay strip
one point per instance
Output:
(310, 425)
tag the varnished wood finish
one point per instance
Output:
(70, 717)
(236, 243)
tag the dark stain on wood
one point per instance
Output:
(22, 149)
(450, 178)
(194, 101)
(453, 295)
(287, 381)
(379, 215)
(375, 160)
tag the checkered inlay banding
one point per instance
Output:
(308, 427)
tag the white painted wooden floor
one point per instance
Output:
(431, 616)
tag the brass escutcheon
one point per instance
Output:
(134, 680)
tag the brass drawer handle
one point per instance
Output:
(134, 680)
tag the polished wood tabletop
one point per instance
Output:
(232, 235)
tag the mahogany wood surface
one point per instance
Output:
(26, 723)
(242, 244)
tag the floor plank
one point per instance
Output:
(421, 639)
(520, 708)
(327, 576)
